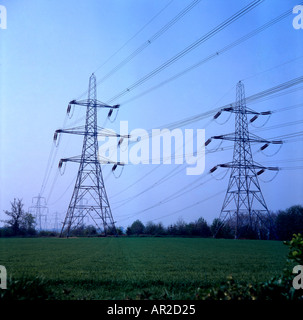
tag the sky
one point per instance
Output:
(48, 52)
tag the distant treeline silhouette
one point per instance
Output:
(279, 226)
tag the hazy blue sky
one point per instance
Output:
(49, 50)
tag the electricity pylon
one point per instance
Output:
(56, 223)
(89, 185)
(244, 195)
(39, 210)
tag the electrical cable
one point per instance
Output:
(181, 210)
(146, 43)
(64, 192)
(272, 68)
(138, 32)
(189, 48)
(190, 206)
(172, 196)
(149, 41)
(212, 56)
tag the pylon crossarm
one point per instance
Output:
(246, 111)
(93, 103)
(78, 159)
(82, 131)
(252, 138)
(111, 133)
(254, 165)
(76, 130)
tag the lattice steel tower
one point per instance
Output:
(89, 184)
(244, 195)
(39, 210)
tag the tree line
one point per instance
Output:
(280, 225)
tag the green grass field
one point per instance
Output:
(122, 268)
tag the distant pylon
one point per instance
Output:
(89, 185)
(39, 210)
(244, 195)
(56, 223)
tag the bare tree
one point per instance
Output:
(18, 218)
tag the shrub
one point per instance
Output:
(136, 228)
(289, 222)
(295, 248)
(277, 288)
(221, 230)
(26, 289)
(47, 233)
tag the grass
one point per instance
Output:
(130, 268)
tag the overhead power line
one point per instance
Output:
(150, 40)
(213, 55)
(189, 48)
(147, 43)
(138, 32)
(253, 98)
(190, 206)
(265, 94)
(177, 211)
